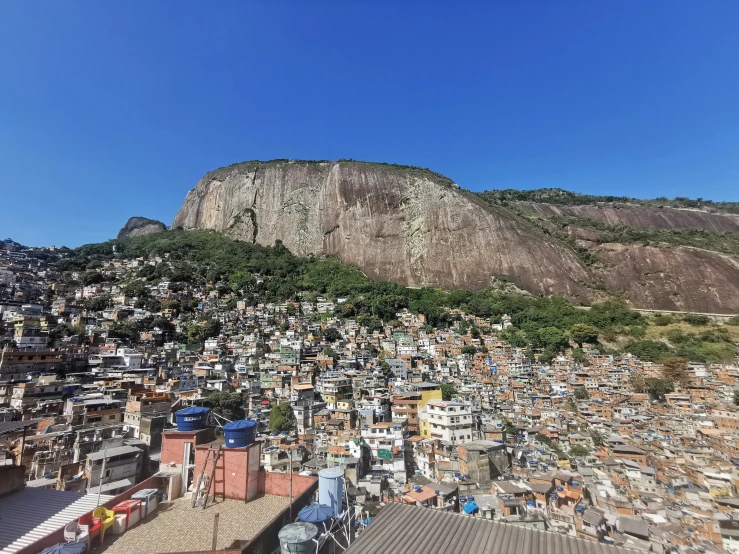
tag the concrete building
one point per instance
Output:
(449, 421)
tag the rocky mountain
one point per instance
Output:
(418, 228)
(641, 217)
(136, 226)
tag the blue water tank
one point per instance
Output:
(192, 418)
(240, 433)
(331, 489)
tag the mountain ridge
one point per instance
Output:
(420, 229)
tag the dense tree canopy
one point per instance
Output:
(281, 418)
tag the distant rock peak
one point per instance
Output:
(137, 226)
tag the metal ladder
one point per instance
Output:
(205, 480)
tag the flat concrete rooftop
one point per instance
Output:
(176, 527)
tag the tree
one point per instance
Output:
(99, 303)
(657, 388)
(581, 333)
(226, 404)
(736, 398)
(469, 350)
(579, 356)
(514, 337)
(211, 329)
(676, 369)
(648, 350)
(547, 355)
(447, 392)
(553, 338)
(281, 418)
(462, 328)
(578, 451)
(597, 439)
(199, 333)
(330, 352)
(331, 334)
(136, 288)
(510, 428)
(637, 382)
(581, 393)
(386, 370)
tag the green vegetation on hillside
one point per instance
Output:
(562, 227)
(566, 198)
(256, 273)
(726, 243)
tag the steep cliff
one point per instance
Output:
(136, 226)
(418, 228)
(396, 223)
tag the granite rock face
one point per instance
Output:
(676, 278)
(400, 224)
(136, 226)
(418, 228)
(641, 217)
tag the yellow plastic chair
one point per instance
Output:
(106, 517)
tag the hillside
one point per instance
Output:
(406, 225)
(418, 228)
(239, 270)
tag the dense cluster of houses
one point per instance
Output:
(410, 412)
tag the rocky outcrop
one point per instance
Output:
(141, 226)
(400, 224)
(418, 228)
(676, 278)
(641, 217)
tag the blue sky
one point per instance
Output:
(115, 109)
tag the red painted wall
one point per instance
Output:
(173, 446)
(237, 471)
(278, 484)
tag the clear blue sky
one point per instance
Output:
(115, 109)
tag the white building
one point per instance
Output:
(449, 421)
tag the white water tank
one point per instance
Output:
(331, 489)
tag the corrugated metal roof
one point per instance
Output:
(412, 529)
(32, 513)
(110, 452)
(7, 427)
(114, 485)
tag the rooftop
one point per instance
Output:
(177, 527)
(32, 513)
(411, 529)
(110, 452)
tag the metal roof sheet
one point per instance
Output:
(7, 427)
(110, 452)
(415, 530)
(31, 514)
